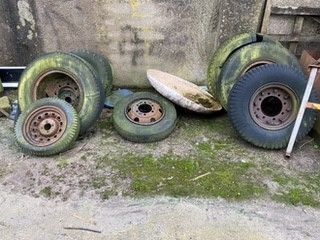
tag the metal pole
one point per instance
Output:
(302, 109)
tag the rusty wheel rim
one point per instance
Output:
(145, 112)
(59, 84)
(273, 106)
(257, 64)
(45, 126)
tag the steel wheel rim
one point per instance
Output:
(45, 126)
(144, 112)
(273, 106)
(257, 64)
(60, 84)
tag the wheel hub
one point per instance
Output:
(273, 106)
(45, 126)
(61, 85)
(144, 112)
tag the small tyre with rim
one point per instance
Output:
(48, 127)
(65, 76)
(247, 58)
(264, 103)
(144, 117)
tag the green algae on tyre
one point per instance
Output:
(144, 117)
(247, 58)
(48, 127)
(223, 53)
(66, 76)
(1, 88)
(101, 65)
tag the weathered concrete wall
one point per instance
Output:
(178, 36)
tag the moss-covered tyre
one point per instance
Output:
(264, 103)
(247, 58)
(65, 76)
(48, 127)
(1, 88)
(102, 67)
(144, 117)
(225, 50)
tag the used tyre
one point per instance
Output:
(264, 103)
(144, 117)
(101, 65)
(225, 50)
(247, 58)
(65, 76)
(1, 88)
(48, 127)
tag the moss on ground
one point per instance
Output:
(296, 196)
(195, 177)
(302, 189)
(46, 192)
(220, 166)
(62, 163)
(98, 182)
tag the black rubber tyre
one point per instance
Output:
(101, 65)
(225, 50)
(82, 74)
(264, 103)
(60, 143)
(247, 58)
(135, 132)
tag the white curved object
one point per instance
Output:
(182, 92)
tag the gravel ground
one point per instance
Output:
(40, 197)
(24, 217)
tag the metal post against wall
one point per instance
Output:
(304, 104)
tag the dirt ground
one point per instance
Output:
(203, 182)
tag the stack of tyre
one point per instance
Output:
(60, 96)
(260, 84)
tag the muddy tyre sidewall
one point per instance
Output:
(67, 139)
(93, 97)
(144, 134)
(242, 59)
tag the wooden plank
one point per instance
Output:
(266, 17)
(315, 106)
(297, 29)
(294, 38)
(299, 11)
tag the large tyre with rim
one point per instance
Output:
(264, 103)
(48, 127)
(225, 50)
(67, 77)
(144, 117)
(101, 65)
(247, 58)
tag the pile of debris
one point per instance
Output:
(254, 78)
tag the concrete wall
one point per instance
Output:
(178, 36)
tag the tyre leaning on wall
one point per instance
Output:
(101, 65)
(247, 58)
(225, 50)
(264, 103)
(65, 76)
